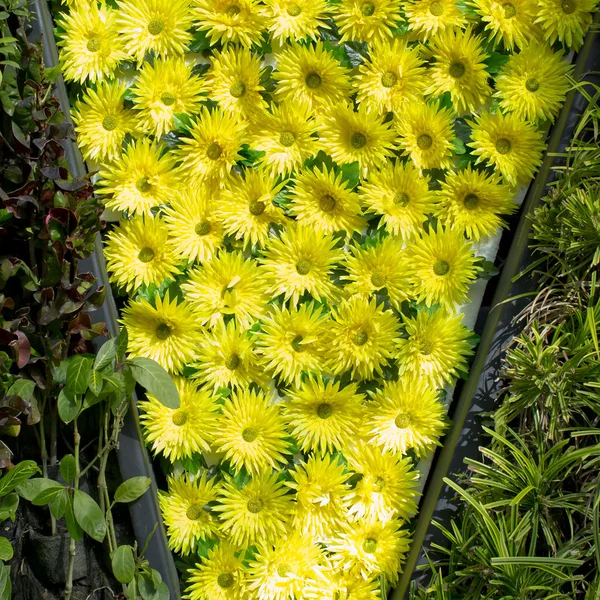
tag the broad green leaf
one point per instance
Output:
(67, 468)
(122, 341)
(17, 475)
(8, 506)
(48, 494)
(75, 531)
(149, 374)
(89, 516)
(58, 506)
(31, 488)
(6, 550)
(78, 373)
(22, 388)
(123, 564)
(147, 588)
(5, 583)
(95, 383)
(132, 489)
(68, 405)
(106, 354)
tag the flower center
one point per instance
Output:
(143, 185)
(361, 337)
(283, 570)
(568, 7)
(202, 228)
(389, 79)
(255, 505)
(379, 484)
(232, 10)
(237, 89)
(249, 434)
(424, 141)
(377, 280)
(225, 580)
(503, 146)
(402, 421)
(146, 255)
(232, 363)
(293, 10)
(367, 9)
(457, 70)
(163, 331)
(194, 512)
(93, 45)
(427, 347)
(296, 344)
(441, 267)
(401, 199)
(109, 123)
(313, 80)
(214, 151)
(327, 203)
(370, 545)
(436, 8)
(287, 138)
(303, 267)
(257, 207)
(167, 98)
(532, 84)
(324, 410)
(509, 10)
(471, 201)
(156, 26)
(358, 141)
(179, 418)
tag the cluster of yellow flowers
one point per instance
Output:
(303, 185)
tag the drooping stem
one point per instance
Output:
(76, 443)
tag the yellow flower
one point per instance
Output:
(251, 432)
(310, 76)
(186, 519)
(321, 488)
(179, 433)
(234, 82)
(286, 137)
(140, 180)
(166, 332)
(426, 134)
(329, 584)
(435, 348)
(430, 17)
(405, 415)
(301, 261)
(102, 122)
(246, 207)
(165, 88)
(459, 69)
(321, 416)
(220, 576)
(533, 83)
(443, 267)
(90, 46)
(258, 513)
(228, 284)
(291, 341)
(509, 21)
(472, 201)
(323, 201)
(382, 266)
(392, 75)
(226, 357)
(349, 136)
(295, 19)
(195, 231)
(362, 336)
(514, 147)
(566, 21)
(216, 138)
(401, 196)
(371, 21)
(238, 22)
(158, 26)
(138, 253)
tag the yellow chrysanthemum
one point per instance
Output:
(372, 21)
(102, 122)
(158, 26)
(246, 209)
(321, 416)
(286, 137)
(220, 576)
(301, 261)
(166, 332)
(238, 22)
(371, 548)
(426, 134)
(443, 267)
(251, 432)
(183, 508)
(321, 488)
(509, 21)
(165, 88)
(472, 201)
(90, 46)
(309, 75)
(295, 19)
(322, 201)
(435, 348)
(234, 82)
(228, 284)
(459, 69)
(382, 266)
(226, 357)
(362, 337)
(140, 180)
(392, 75)
(387, 488)
(195, 231)
(405, 415)
(138, 253)
(565, 20)
(258, 513)
(349, 136)
(216, 138)
(512, 146)
(179, 433)
(291, 341)
(401, 195)
(429, 17)
(330, 584)
(533, 83)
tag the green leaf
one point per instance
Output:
(68, 405)
(132, 489)
(48, 494)
(5, 584)
(58, 506)
(123, 564)
(73, 527)
(78, 373)
(31, 488)
(495, 61)
(17, 475)
(149, 374)
(6, 550)
(68, 468)
(459, 147)
(95, 383)
(88, 515)
(8, 507)
(122, 341)
(147, 588)
(22, 388)
(106, 354)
